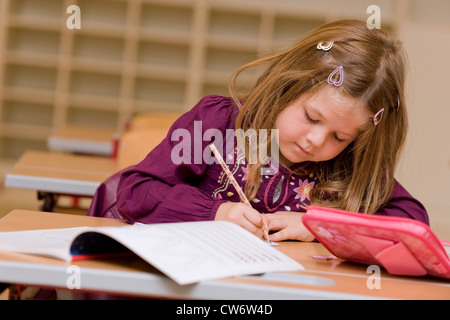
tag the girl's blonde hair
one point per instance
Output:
(361, 178)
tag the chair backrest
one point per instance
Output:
(104, 203)
(136, 144)
(152, 121)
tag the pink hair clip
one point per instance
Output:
(378, 116)
(328, 45)
(338, 83)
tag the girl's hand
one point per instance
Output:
(288, 226)
(242, 215)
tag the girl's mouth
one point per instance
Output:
(303, 150)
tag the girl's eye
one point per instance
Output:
(335, 136)
(308, 117)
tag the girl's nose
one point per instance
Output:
(317, 137)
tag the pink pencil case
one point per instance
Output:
(402, 246)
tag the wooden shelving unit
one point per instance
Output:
(133, 56)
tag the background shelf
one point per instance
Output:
(134, 56)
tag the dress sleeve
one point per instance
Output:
(160, 188)
(403, 204)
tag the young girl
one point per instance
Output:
(336, 99)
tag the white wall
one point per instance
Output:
(425, 169)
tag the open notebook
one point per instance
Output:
(187, 252)
(402, 246)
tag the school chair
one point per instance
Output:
(134, 145)
(144, 121)
(103, 203)
(152, 120)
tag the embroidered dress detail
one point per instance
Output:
(303, 190)
(286, 189)
(245, 171)
(277, 192)
(266, 193)
(223, 180)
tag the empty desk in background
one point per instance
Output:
(83, 140)
(53, 173)
(103, 141)
(321, 279)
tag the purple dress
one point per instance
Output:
(176, 183)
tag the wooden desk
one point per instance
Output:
(57, 173)
(53, 173)
(322, 279)
(83, 140)
(60, 172)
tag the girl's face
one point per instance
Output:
(319, 126)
